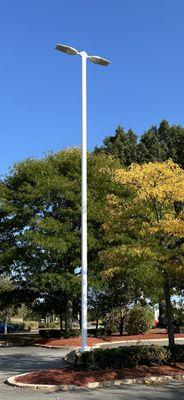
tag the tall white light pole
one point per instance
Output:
(101, 61)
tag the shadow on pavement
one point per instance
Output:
(20, 363)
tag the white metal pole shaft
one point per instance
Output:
(84, 202)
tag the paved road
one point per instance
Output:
(17, 360)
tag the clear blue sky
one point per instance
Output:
(40, 88)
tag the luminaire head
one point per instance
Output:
(99, 60)
(67, 49)
(72, 51)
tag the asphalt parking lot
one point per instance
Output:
(16, 360)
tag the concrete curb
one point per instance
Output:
(97, 345)
(93, 385)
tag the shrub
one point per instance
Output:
(123, 357)
(71, 333)
(50, 333)
(178, 319)
(31, 325)
(111, 322)
(100, 332)
(153, 355)
(140, 320)
(19, 326)
(49, 325)
(177, 353)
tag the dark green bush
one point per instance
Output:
(177, 353)
(49, 325)
(100, 332)
(50, 333)
(178, 319)
(111, 322)
(18, 327)
(153, 355)
(123, 357)
(140, 320)
(71, 333)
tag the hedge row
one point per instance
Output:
(177, 353)
(18, 327)
(125, 357)
(57, 334)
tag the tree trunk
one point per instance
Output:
(169, 310)
(121, 326)
(80, 319)
(5, 328)
(68, 317)
(96, 327)
(5, 322)
(61, 322)
(161, 315)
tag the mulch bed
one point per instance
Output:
(76, 342)
(82, 378)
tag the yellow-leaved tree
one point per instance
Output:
(145, 227)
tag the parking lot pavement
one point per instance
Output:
(171, 391)
(16, 360)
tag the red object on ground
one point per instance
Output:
(82, 378)
(76, 342)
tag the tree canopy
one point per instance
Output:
(146, 227)
(135, 224)
(156, 144)
(42, 212)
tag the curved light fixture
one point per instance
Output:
(99, 60)
(67, 49)
(72, 51)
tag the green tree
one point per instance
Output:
(8, 299)
(156, 144)
(123, 146)
(162, 143)
(146, 228)
(140, 320)
(115, 294)
(43, 200)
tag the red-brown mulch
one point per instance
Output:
(76, 342)
(82, 378)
